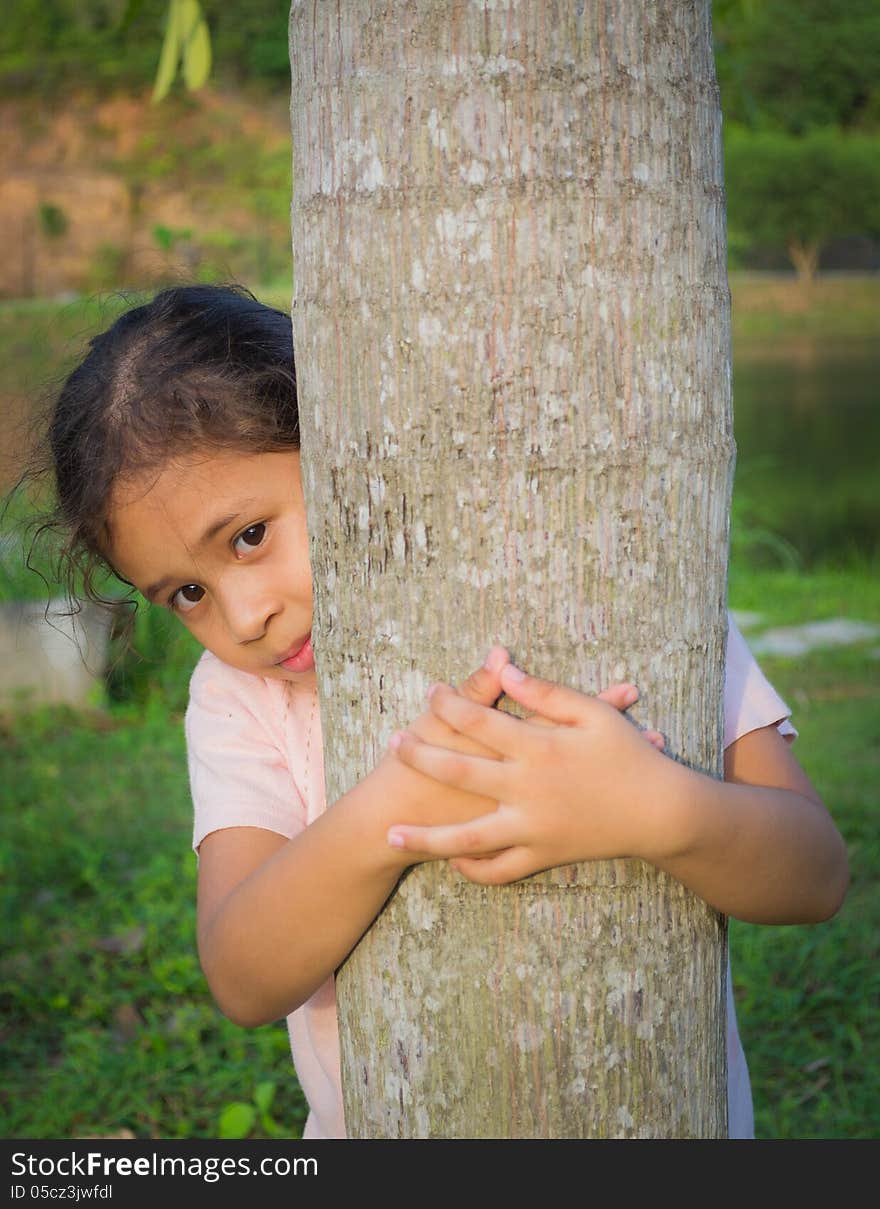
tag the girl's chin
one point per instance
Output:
(273, 671)
(308, 678)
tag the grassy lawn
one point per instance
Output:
(106, 1013)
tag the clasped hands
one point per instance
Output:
(574, 780)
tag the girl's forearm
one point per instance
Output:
(763, 855)
(314, 897)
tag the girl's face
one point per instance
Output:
(220, 539)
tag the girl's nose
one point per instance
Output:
(248, 612)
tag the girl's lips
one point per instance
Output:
(302, 660)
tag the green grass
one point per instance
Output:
(806, 996)
(106, 1013)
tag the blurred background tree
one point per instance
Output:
(801, 191)
(800, 86)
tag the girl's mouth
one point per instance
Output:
(302, 659)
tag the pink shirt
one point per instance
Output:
(255, 760)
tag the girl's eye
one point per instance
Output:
(187, 597)
(250, 538)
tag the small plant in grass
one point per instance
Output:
(238, 1119)
(53, 220)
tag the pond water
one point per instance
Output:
(807, 426)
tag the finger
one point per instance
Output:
(655, 739)
(507, 866)
(484, 685)
(491, 728)
(484, 776)
(554, 701)
(479, 837)
(621, 696)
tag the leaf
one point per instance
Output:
(263, 1096)
(196, 45)
(170, 55)
(131, 12)
(236, 1120)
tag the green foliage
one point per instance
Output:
(238, 1120)
(791, 65)
(53, 220)
(45, 47)
(800, 93)
(167, 237)
(801, 191)
(186, 47)
(115, 44)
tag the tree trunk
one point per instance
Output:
(805, 258)
(511, 322)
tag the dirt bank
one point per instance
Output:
(94, 194)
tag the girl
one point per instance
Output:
(176, 457)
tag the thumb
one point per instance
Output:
(554, 701)
(484, 685)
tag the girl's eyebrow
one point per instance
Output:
(215, 527)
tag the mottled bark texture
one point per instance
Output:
(511, 323)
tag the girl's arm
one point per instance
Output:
(759, 846)
(276, 917)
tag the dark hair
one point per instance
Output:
(199, 366)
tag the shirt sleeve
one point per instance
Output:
(750, 700)
(239, 775)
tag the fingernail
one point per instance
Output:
(395, 741)
(494, 658)
(432, 689)
(631, 695)
(514, 673)
(396, 840)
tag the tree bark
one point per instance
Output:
(511, 323)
